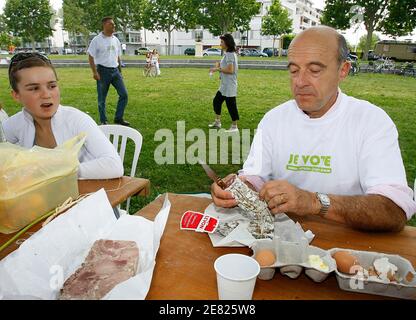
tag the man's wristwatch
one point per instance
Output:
(325, 203)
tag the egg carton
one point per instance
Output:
(404, 289)
(292, 258)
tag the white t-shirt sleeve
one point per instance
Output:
(381, 166)
(92, 48)
(380, 160)
(107, 163)
(259, 160)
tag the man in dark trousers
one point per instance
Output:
(104, 58)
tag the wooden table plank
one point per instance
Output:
(118, 190)
(185, 260)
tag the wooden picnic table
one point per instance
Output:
(185, 260)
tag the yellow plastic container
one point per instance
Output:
(18, 212)
(35, 181)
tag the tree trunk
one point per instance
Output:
(33, 43)
(86, 38)
(125, 34)
(169, 36)
(280, 46)
(368, 41)
(274, 39)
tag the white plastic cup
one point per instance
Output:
(236, 276)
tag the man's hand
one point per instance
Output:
(221, 197)
(281, 196)
(96, 76)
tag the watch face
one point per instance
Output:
(324, 199)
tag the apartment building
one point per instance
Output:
(302, 13)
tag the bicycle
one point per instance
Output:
(384, 64)
(407, 69)
(149, 70)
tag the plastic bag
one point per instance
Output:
(35, 181)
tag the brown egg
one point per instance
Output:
(345, 261)
(265, 257)
(409, 277)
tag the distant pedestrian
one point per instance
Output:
(228, 68)
(155, 60)
(105, 61)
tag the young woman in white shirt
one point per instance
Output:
(45, 123)
(155, 60)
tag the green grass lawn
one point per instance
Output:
(186, 94)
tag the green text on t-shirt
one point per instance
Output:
(312, 163)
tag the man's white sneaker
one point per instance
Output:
(215, 125)
(232, 129)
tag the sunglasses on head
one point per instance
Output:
(18, 57)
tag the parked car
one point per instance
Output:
(81, 51)
(269, 52)
(143, 51)
(189, 52)
(252, 53)
(211, 52)
(4, 52)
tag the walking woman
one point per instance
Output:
(227, 92)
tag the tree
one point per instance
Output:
(74, 19)
(287, 39)
(363, 40)
(127, 14)
(29, 19)
(93, 13)
(170, 15)
(276, 23)
(394, 17)
(226, 16)
(401, 18)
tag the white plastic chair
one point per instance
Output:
(116, 132)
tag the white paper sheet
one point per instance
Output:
(284, 227)
(43, 262)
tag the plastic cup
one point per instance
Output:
(236, 276)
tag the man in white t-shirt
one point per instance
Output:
(105, 62)
(325, 153)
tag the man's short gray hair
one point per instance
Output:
(343, 50)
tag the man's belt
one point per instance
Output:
(101, 66)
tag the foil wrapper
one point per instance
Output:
(261, 220)
(225, 228)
